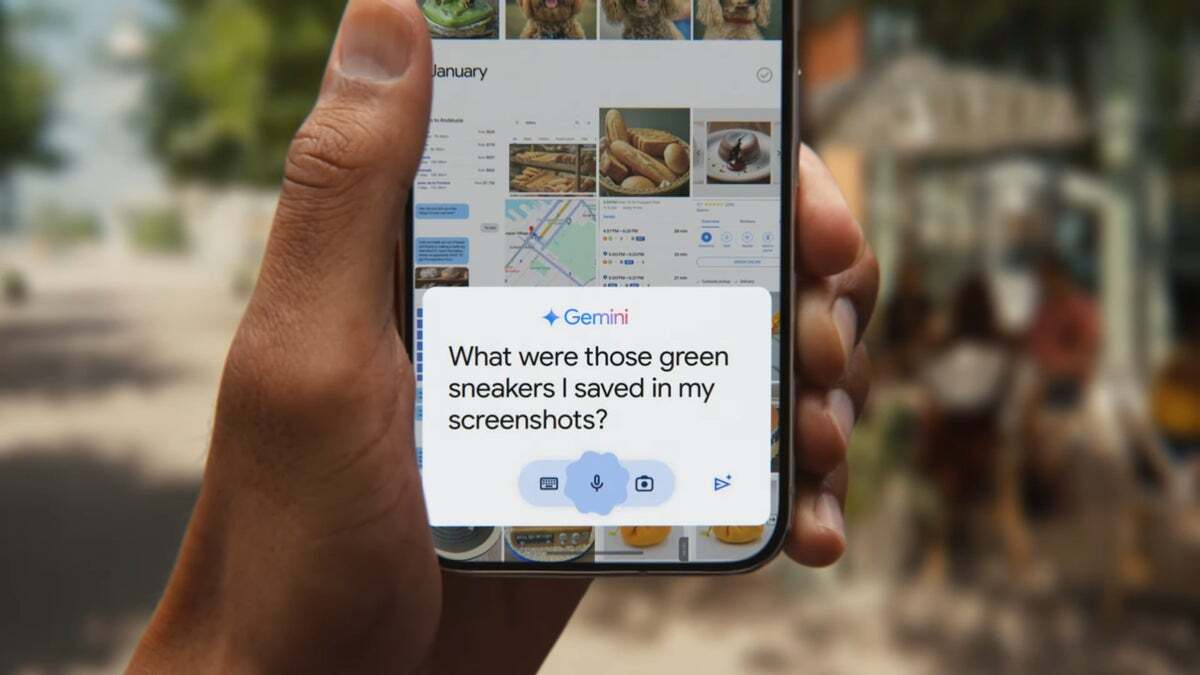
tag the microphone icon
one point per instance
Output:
(597, 483)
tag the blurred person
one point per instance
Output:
(1078, 480)
(907, 322)
(1064, 338)
(968, 382)
(309, 548)
(1063, 345)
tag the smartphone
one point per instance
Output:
(600, 267)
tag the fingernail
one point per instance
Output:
(828, 512)
(845, 317)
(376, 41)
(841, 409)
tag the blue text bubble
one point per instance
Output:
(442, 251)
(443, 211)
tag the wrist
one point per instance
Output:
(186, 633)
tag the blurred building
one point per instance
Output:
(983, 164)
(969, 167)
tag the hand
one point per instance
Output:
(838, 281)
(309, 549)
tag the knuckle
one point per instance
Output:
(329, 155)
(868, 283)
(869, 264)
(282, 375)
(265, 379)
(330, 160)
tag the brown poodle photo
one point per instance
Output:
(733, 19)
(646, 19)
(551, 19)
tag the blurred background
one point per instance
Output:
(1026, 491)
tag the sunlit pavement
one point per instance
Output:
(108, 376)
(121, 355)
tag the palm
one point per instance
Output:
(490, 614)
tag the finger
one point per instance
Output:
(832, 317)
(826, 418)
(818, 534)
(332, 249)
(829, 237)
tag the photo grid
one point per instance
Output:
(594, 202)
(604, 19)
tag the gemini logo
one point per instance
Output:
(577, 317)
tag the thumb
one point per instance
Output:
(331, 256)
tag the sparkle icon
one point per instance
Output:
(550, 317)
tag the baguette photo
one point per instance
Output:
(644, 152)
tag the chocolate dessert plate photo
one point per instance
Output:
(739, 156)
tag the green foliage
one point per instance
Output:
(231, 81)
(26, 96)
(57, 227)
(158, 231)
(14, 288)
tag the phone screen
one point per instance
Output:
(599, 296)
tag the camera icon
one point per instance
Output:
(643, 484)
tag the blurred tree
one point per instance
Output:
(26, 96)
(231, 81)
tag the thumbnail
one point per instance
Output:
(461, 19)
(433, 277)
(646, 20)
(729, 542)
(642, 543)
(738, 152)
(467, 543)
(643, 152)
(550, 20)
(739, 19)
(776, 338)
(552, 169)
(776, 438)
(551, 242)
(551, 544)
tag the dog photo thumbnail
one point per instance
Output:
(739, 19)
(550, 19)
(646, 20)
